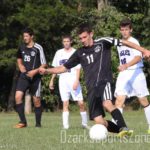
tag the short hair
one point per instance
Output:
(29, 31)
(126, 22)
(67, 37)
(84, 28)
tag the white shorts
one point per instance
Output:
(66, 90)
(131, 83)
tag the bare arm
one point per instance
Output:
(76, 83)
(129, 64)
(51, 83)
(56, 70)
(146, 53)
(21, 66)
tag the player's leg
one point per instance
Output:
(140, 87)
(145, 103)
(116, 114)
(65, 114)
(38, 110)
(22, 85)
(35, 91)
(83, 113)
(65, 95)
(77, 96)
(96, 113)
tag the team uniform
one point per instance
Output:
(131, 82)
(67, 79)
(96, 63)
(32, 58)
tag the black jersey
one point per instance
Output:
(95, 61)
(32, 57)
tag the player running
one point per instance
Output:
(95, 58)
(69, 84)
(30, 57)
(131, 80)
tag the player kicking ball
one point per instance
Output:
(30, 57)
(95, 59)
(131, 80)
(69, 84)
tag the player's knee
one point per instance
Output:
(81, 105)
(65, 106)
(119, 103)
(18, 98)
(107, 104)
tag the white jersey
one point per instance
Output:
(126, 54)
(62, 57)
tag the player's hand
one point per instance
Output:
(75, 85)
(146, 54)
(42, 70)
(123, 67)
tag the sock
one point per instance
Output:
(20, 111)
(116, 114)
(121, 110)
(38, 115)
(112, 127)
(84, 118)
(65, 118)
(147, 114)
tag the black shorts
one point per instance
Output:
(34, 85)
(96, 96)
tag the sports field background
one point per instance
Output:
(52, 137)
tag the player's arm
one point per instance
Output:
(51, 83)
(145, 52)
(33, 72)
(134, 61)
(55, 70)
(76, 83)
(21, 66)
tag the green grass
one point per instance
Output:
(49, 136)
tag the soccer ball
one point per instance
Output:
(98, 132)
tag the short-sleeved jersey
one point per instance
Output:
(60, 58)
(127, 54)
(32, 57)
(95, 61)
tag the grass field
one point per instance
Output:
(52, 137)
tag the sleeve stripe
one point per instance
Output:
(110, 40)
(42, 56)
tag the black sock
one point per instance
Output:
(112, 127)
(116, 114)
(20, 110)
(38, 115)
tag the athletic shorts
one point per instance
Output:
(96, 96)
(34, 85)
(67, 92)
(131, 83)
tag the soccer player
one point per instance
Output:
(95, 58)
(131, 79)
(30, 58)
(69, 84)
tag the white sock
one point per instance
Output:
(121, 110)
(147, 114)
(84, 118)
(65, 118)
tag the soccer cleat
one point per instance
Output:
(125, 132)
(20, 125)
(148, 131)
(38, 125)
